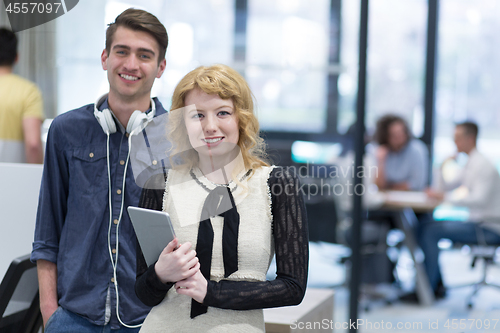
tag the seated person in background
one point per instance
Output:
(402, 163)
(226, 202)
(478, 189)
(402, 160)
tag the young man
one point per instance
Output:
(477, 188)
(85, 245)
(20, 110)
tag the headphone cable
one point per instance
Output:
(114, 263)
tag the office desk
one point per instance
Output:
(316, 310)
(403, 205)
(416, 200)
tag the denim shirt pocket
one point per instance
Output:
(90, 169)
(145, 166)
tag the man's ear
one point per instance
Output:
(104, 58)
(161, 68)
(17, 58)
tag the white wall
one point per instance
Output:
(19, 188)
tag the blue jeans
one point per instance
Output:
(64, 321)
(463, 232)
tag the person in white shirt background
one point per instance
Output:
(477, 187)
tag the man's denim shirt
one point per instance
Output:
(73, 217)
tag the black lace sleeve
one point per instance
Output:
(292, 255)
(148, 288)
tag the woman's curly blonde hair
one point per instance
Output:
(228, 84)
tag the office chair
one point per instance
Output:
(486, 252)
(19, 299)
(379, 276)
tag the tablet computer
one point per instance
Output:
(153, 229)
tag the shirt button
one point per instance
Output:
(122, 162)
(115, 221)
(113, 280)
(154, 162)
(119, 191)
(114, 250)
(91, 155)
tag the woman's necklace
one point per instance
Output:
(215, 184)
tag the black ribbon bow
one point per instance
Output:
(219, 202)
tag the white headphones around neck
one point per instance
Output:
(137, 122)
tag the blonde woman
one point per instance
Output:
(231, 212)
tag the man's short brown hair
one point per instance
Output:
(139, 20)
(470, 128)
